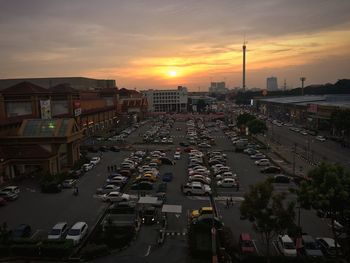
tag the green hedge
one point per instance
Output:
(27, 250)
(56, 248)
(92, 251)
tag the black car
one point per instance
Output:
(22, 231)
(281, 179)
(103, 149)
(271, 170)
(143, 185)
(184, 144)
(114, 149)
(165, 160)
(149, 215)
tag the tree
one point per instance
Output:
(340, 120)
(256, 126)
(244, 118)
(328, 192)
(269, 211)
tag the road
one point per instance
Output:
(318, 151)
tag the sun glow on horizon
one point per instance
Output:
(172, 73)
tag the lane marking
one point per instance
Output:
(148, 251)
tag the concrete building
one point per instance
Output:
(271, 84)
(202, 104)
(78, 83)
(167, 100)
(218, 88)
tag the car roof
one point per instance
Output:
(245, 236)
(59, 225)
(78, 225)
(330, 241)
(286, 238)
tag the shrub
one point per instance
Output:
(27, 250)
(56, 248)
(5, 251)
(92, 251)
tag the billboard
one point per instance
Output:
(45, 109)
(77, 108)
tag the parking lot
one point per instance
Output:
(42, 211)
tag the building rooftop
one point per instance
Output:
(46, 128)
(296, 99)
(24, 88)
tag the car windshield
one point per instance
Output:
(55, 232)
(74, 232)
(311, 246)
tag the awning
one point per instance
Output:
(176, 209)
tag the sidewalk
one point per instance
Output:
(283, 156)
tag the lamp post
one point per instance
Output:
(302, 85)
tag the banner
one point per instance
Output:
(45, 109)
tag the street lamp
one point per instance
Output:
(302, 85)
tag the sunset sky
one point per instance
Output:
(162, 44)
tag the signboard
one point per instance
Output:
(45, 109)
(77, 112)
(264, 92)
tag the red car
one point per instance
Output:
(188, 149)
(246, 244)
(2, 201)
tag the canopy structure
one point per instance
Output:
(175, 209)
(148, 200)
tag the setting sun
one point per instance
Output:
(172, 73)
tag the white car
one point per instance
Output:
(225, 175)
(58, 231)
(77, 232)
(177, 156)
(87, 166)
(227, 182)
(196, 188)
(263, 162)
(222, 169)
(119, 179)
(107, 189)
(320, 138)
(205, 179)
(12, 189)
(286, 246)
(258, 156)
(95, 160)
(115, 197)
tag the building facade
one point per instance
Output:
(271, 84)
(167, 100)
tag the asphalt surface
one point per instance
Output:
(42, 211)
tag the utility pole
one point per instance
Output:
(302, 85)
(294, 152)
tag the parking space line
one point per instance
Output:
(148, 251)
(256, 248)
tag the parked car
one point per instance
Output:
(114, 149)
(177, 156)
(143, 185)
(262, 162)
(69, 183)
(320, 138)
(225, 175)
(87, 167)
(271, 170)
(286, 246)
(328, 247)
(165, 160)
(310, 247)
(107, 189)
(77, 232)
(95, 160)
(258, 156)
(199, 178)
(202, 211)
(245, 243)
(119, 180)
(227, 182)
(11, 189)
(115, 197)
(196, 188)
(281, 179)
(58, 231)
(8, 196)
(167, 177)
(22, 231)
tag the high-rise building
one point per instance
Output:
(244, 50)
(271, 84)
(167, 100)
(218, 87)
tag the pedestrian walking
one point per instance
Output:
(237, 186)
(227, 203)
(231, 200)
